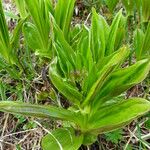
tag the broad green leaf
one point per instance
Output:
(138, 43)
(8, 45)
(113, 33)
(89, 80)
(111, 4)
(120, 33)
(70, 92)
(105, 72)
(62, 139)
(63, 15)
(42, 111)
(66, 50)
(121, 80)
(98, 36)
(35, 41)
(40, 15)
(65, 65)
(75, 33)
(117, 115)
(32, 36)
(3, 25)
(141, 43)
(83, 49)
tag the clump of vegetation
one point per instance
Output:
(86, 64)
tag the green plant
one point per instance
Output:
(131, 6)
(63, 16)
(141, 43)
(9, 44)
(98, 41)
(37, 33)
(114, 136)
(91, 78)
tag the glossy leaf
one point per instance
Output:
(32, 110)
(120, 33)
(32, 36)
(62, 139)
(70, 92)
(121, 80)
(113, 33)
(83, 51)
(63, 15)
(117, 115)
(40, 16)
(62, 46)
(138, 43)
(99, 35)
(141, 43)
(9, 45)
(105, 72)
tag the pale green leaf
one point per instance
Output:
(138, 43)
(122, 80)
(42, 111)
(105, 72)
(70, 92)
(62, 139)
(113, 33)
(63, 15)
(98, 36)
(32, 36)
(117, 115)
(40, 15)
(66, 50)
